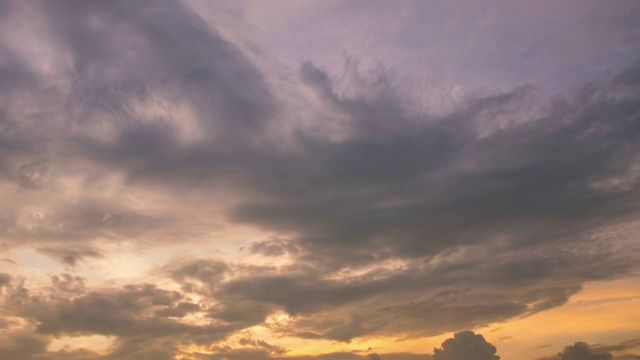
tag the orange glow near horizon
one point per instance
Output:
(601, 313)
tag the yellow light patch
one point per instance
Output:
(97, 343)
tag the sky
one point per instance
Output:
(319, 180)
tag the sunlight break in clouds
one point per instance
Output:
(319, 180)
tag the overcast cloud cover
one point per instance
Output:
(239, 180)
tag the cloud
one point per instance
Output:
(67, 283)
(485, 190)
(160, 107)
(272, 349)
(466, 345)
(581, 351)
(29, 346)
(71, 257)
(5, 279)
(121, 312)
(24, 345)
(273, 247)
(142, 319)
(179, 310)
(142, 126)
(625, 345)
(301, 293)
(628, 357)
(209, 272)
(425, 190)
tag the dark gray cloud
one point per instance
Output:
(35, 174)
(201, 276)
(24, 345)
(142, 319)
(5, 279)
(628, 357)
(109, 313)
(273, 247)
(179, 310)
(445, 296)
(466, 345)
(52, 228)
(69, 256)
(30, 346)
(148, 102)
(444, 186)
(260, 344)
(206, 271)
(67, 283)
(421, 189)
(181, 57)
(581, 351)
(301, 293)
(398, 185)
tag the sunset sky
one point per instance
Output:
(319, 180)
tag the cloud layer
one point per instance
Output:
(329, 207)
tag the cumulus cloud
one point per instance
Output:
(466, 345)
(581, 351)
